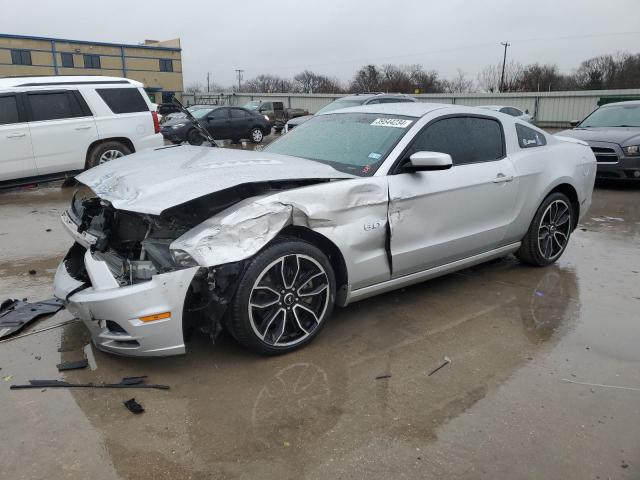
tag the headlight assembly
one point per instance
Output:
(631, 151)
(183, 259)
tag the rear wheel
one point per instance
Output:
(194, 137)
(549, 232)
(105, 152)
(284, 298)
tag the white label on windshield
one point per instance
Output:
(392, 122)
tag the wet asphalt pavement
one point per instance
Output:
(514, 402)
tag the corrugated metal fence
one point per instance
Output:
(550, 109)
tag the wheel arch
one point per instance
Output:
(124, 140)
(571, 193)
(332, 252)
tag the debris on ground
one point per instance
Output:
(380, 377)
(126, 382)
(16, 314)
(634, 389)
(32, 272)
(33, 332)
(446, 362)
(73, 365)
(133, 406)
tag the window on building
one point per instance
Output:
(123, 100)
(21, 57)
(8, 110)
(166, 65)
(67, 60)
(91, 61)
(466, 139)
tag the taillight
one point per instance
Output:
(156, 123)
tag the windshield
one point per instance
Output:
(337, 104)
(355, 143)
(614, 116)
(253, 105)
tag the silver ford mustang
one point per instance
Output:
(350, 204)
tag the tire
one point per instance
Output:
(283, 299)
(107, 151)
(256, 135)
(194, 137)
(549, 232)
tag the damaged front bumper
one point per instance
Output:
(122, 319)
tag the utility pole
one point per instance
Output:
(239, 72)
(208, 83)
(504, 61)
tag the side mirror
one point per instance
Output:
(428, 161)
(261, 109)
(574, 123)
(527, 111)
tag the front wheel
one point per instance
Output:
(256, 135)
(549, 232)
(194, 137)
(284, 298)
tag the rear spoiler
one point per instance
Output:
(571, 140)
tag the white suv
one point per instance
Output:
(52, 126)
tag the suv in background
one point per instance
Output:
(52, 126)
(353, 101)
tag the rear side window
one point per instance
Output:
(219, 114)
(54, 106)
(123, 100)
(8, 110)
(466, 139)
(528, 137)
(278, 106)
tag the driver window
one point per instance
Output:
(466, 139)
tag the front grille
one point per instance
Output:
(604, 154)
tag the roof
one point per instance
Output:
(374, 94)
(86, 42)
(53, 80)
(417, 109)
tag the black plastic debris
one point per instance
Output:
(381, 377)
(133, 406)
(16, 314)
(74, 365)
(127, 382)
(446, 362)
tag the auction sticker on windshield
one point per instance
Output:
(392, 122)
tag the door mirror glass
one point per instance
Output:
(427, 161)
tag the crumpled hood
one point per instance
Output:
(154, 180)
(620, 135)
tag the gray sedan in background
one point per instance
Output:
(613, 133)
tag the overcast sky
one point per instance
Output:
(335, 37)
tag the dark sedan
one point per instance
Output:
(613, 133)
(223, 123)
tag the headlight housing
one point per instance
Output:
(266, 117)
(178, 125)
(183, 259)
(631, 150)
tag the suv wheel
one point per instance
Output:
(549, 232)
(283, 299)
(105, 152)
(256, 135)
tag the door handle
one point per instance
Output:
(83, 127)
(16, 135)
(502, 178)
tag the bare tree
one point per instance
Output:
(195, 87)
(310, 82)
(367, 79)
(490, 77)
(267, 84)
(459, 84)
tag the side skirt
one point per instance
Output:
(362, 293)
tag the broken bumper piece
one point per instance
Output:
(143, 319)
